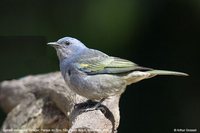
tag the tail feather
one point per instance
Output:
(137, 76)
(165, 72)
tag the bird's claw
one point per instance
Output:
(90, 106)
(101, 108)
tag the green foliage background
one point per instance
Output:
(160, 34)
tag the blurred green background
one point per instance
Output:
(162, 34)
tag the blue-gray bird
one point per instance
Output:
(96, 75)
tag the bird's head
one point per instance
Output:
(67, 47)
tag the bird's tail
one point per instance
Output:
(165, 72)
(136, 76)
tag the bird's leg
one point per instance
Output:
(86, 104)
(96, 106)
(100, 107)
(99, 103)
(90, 105)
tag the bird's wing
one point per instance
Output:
(106, 65)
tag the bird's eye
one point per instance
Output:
(67, 43)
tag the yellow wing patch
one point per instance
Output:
(84, 65)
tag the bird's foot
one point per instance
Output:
(96, 107)
(90, 105)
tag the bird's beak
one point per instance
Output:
(53, 44)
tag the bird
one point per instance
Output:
(97, 76)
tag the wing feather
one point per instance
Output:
(97, 62)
